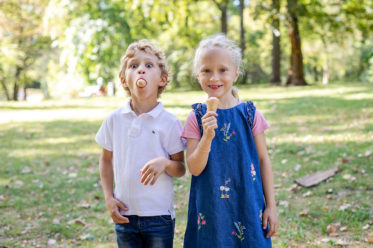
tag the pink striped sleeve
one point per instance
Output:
(260, 124)
(191, 129)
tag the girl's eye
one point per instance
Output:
(133, 66)
(149, 65)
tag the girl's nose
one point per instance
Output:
(214, 77)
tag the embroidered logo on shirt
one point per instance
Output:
(225, 130)
(239, 234)
(201, 220)
(224, 189)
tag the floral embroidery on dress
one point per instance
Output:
(253, 172)
(225, 130)
(224, 189)
(201, 220)
(239, 232)
(261, 214)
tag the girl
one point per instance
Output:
(228, 158)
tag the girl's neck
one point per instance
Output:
(228, 102)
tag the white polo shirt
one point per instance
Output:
(134, 140)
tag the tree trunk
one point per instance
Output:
(276, 49)
(224, 19)
(16, 86)
(242, 36)
(295, 73)
(223, 7)
(6, 91)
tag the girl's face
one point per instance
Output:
(216, 73)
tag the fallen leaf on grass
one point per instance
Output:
(341, 242)
(343, 228)
(307, 194)
(84, 204)
(366, 227)
(370, 238)
(304, 213)
(77, 221)
(331, 228)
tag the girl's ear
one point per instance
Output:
(237, 74)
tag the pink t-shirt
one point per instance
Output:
(191, 129)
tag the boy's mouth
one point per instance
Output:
(141, 83)
(215, 87)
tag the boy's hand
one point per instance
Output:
(152, 170)
(270, 216)
(209, 124)
(113, 206)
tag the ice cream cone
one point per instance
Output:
(141, 83)
(212, 104)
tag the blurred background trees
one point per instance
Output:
(62, 46)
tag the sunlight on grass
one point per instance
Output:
(50, 162)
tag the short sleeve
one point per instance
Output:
(191, 129)
(260, 124)
(175, 143)
(104, 136)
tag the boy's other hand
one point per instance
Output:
(152, 170)
(113, 206)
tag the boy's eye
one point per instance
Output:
(223, 70)
(206, 70)
(149, 65)
(133, 66)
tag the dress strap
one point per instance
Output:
(250, 108)
(197, 107)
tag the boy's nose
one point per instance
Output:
(141, 69)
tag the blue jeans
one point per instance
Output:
(146, 232)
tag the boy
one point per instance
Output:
(142, 151)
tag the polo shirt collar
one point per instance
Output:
(153, 113)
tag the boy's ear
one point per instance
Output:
(164, 79)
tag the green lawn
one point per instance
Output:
(49, 180)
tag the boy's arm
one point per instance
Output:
(107, 176)
(267, 179)
(154, 168)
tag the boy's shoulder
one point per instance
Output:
(165, 114)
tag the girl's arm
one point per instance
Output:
(267, 179)
(107, 176)
(154, 168)
(198, 150)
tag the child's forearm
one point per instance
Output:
(267, 179)
(197, 155)
(175, 166)
(107, 176)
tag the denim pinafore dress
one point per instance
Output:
(226, 200)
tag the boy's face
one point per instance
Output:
(143, 76)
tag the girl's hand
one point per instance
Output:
(113, 206)
(270, 216)
(152, 170)
(209, 124)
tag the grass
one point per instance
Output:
(49, 179)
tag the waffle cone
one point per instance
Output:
(212, 104)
